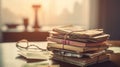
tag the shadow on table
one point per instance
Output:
(105, 64)
(37, 63)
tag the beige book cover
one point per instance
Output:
(74, 48)
(78, 32)
(98, 38)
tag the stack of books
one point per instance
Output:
(77, 46)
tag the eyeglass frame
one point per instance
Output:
(28, 45)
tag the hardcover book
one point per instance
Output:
(75, 32)
(74, 48)
(79, 55)
(83, 61)
(97, 38)
(75, 43)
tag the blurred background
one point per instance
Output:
(23, 17)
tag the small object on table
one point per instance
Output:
(32, 51)
(26, 23)
(11, 27)
(36, 25)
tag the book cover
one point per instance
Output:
(67, 29)
(98, 38)
(77, 32)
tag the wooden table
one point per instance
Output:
(31, 36)
(9, 58)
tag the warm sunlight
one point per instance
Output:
(59, 33)
(50, 8)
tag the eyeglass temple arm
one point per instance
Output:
(37, 47)
(23, 40)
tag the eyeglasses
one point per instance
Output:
(25, 45)
(32, 51)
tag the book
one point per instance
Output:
(67, 53)
(79, 55)
(75, 43)
(52, 46)
(67, 29)
(83, 61)
(78, 32)
(98, 38)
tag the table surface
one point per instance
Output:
(9, 58)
